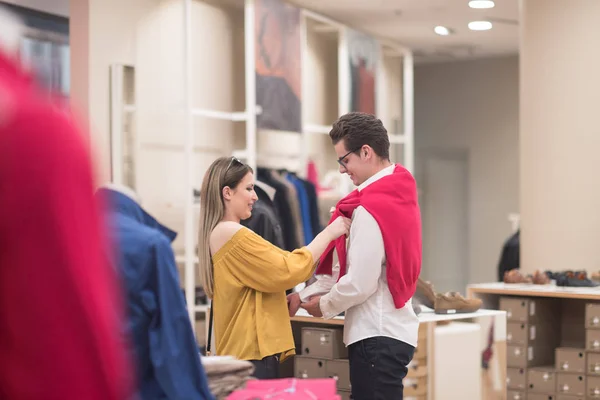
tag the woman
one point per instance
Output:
(246, 276)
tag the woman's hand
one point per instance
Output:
(339, 227)
(293, 300)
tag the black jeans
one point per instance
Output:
(267, 368)
(377, 367)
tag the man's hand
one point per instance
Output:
(293, 301)
(313, 306)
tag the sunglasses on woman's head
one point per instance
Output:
(233, 159)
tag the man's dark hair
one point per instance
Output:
(357, 129)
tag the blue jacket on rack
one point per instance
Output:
(163, 346)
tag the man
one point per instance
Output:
(375, 283)
(164, 348)
(60, 303)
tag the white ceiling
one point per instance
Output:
(57, 7)
(409, 22)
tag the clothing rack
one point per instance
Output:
(250, 154)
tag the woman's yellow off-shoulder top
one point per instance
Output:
(251, 319)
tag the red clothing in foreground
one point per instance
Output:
(392, 201)
(60, 321)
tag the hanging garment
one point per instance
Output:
(264, 220)
(282, 205)
(164, 348)
(304, 208)
(294, 205)
(60, 304)
(510, 257)
(311, 192)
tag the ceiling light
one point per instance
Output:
(442, 30)
(481, 4)
(480, 25)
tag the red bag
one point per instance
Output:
(298, 389)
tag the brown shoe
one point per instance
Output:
(515, 276)
(540, 278)
(425, 293)
(454, 303)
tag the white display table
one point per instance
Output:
(454, 339)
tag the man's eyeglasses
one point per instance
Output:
(341, 159)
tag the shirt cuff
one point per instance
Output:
(327, 308)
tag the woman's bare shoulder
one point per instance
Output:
(222, 233)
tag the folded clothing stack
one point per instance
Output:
(297, 389)
(226, 374)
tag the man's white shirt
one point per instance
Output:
(363, 293)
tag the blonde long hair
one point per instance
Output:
(223, 172)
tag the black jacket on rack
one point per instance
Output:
(282, 205)
(264, 220)
(510, 258)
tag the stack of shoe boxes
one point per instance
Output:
(415, 383)
(533, 333)
(324, 355)
(592, 347)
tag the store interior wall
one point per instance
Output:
(472, 108)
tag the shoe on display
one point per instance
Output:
(455, 303)
(541, 278)
(574, 279)
(425, 293)
(515, 276)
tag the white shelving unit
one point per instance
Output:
(227, 103)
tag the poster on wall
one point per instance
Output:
(278, 66)
(363, 56)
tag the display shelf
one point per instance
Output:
(531, 290)
(321, 87)
(426, 316)
(442, 341)
(390, 98)
(558, 315)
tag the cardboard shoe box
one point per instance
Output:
(516, 378)
(524, 334)
(515, 395)
(541, 380)
(323, 343)
(345, 394)
(540, 396)
(530, 310)
(417, 368)
(529, 356)
(415, 386)
(592, 316)
(570, 384)
(310, 368)
(592, 340)
(593, 364)
(593, 387)
(570, 359)
(340, 371)
(566, 397)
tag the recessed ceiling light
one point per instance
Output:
(442, 30)
(480, 25)
(481, 4)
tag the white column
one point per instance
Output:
(559, 135)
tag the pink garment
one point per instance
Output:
(297, 389)
(312, 175)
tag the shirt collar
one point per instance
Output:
(384, 172)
